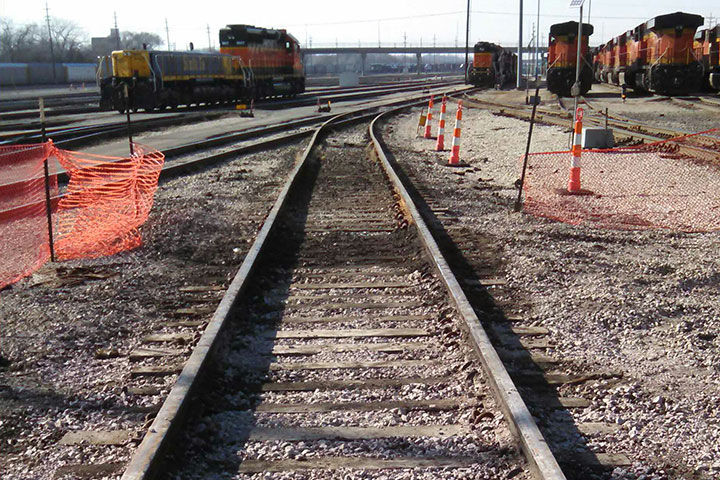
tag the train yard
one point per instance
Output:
(348, 352)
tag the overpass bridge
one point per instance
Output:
(417, 51)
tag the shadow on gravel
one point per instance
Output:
(542, 398)
(223, 413)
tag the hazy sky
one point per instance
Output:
(350, 22)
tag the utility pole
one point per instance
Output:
(210, 41)
(537, 45)
(379, 34)
(117, 32)
(167, 33)
(404, 39)
(576, 88)
(467, 40)
(52, 53)
(519, 50)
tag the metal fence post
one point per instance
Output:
(46, 167)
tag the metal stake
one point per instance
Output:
(127, 112)
(48, 201)
(518, 202)
(48, 208)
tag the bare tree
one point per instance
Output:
(70, 40)
(30, 42)
(16, 41)
(135, 40)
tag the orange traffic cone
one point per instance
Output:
(455, 156)
(574, 182)
(440, 145)
(428, 121)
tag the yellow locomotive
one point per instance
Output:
(253, 63)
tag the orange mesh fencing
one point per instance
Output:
(24, 238)
(99, 212)
(673, 184)
(106, 200)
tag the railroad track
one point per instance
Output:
(340, 344)
(702, 147)
(30, 110)
(183, 158)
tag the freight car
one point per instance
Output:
(492, 65)
(273, 57)
(562, 58)
(707, 50)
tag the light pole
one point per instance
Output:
(537, 43)
(576, 88)
(467, 40)
(519, 50)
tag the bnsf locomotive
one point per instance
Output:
(562, 58)
(707, 50)
(656, 56)
(492, 65)
(252, 63)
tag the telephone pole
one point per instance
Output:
(167, 33)
(209, 41)
(117, 33)
(52, 53)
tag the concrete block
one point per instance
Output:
(349, 79)
(594, 137)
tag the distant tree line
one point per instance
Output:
(25, 43)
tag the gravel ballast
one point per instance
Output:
(68, 329)
(639, 304)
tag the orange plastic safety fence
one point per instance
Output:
(674, 184)
(24, 239)
(107, 199)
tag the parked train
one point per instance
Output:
(707, 51)
(656, 56)
(562, 58)
(252, 63)
(492, 65)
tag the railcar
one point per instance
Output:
(707, 50)
(661, 58)
(273, 57)
(562, 58)
(492, 65)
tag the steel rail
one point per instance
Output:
(147, 458)
(521, 421)
(626, 126)
(179, 167)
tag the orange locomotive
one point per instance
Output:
(707, 50)
(656, 56)
(492, 65)
(562, 56)
(271, 56)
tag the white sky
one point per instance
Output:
(350, 22)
